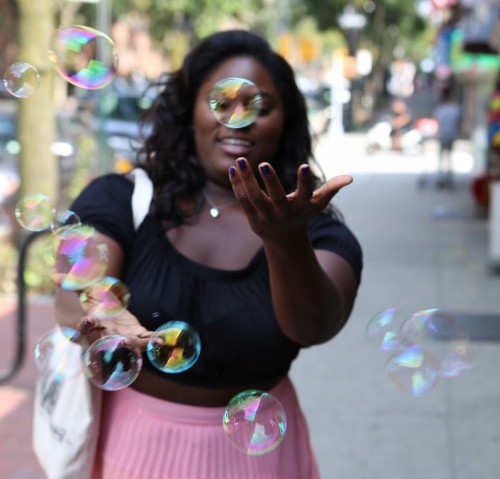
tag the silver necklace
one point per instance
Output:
(216, 209)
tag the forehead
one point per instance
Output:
(241, 67)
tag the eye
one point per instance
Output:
(219, 104)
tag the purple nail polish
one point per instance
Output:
(86, 324)
(232, 171)
(306, 172)
(241, 164)
(266, 171)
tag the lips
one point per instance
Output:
(235, 146)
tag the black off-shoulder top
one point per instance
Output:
(241, 341)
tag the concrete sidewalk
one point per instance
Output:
(423, 248)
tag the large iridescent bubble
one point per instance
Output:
(442, 336)
(254, 422)
(384, 329)
(58, 353)
(235, 102)
(174, 347)
(85, 57)
(110, 364)
(34, 212)
(106, 298)
(413, 370)
(81, 258)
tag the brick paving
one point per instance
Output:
(17, 460)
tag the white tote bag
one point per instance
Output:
(66, 422)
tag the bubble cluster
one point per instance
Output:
(84, 57)
(235, 102)
(254, 422)
(424, 347)
(174, 347)
(21, 79)
(110, 364)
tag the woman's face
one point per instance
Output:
(218, 146)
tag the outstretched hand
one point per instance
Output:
(124, 324)
(273, 212)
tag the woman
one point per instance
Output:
(239, 244)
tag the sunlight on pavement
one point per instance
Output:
(10, 399)
(347, 155)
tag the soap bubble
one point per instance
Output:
(64, 219)
(80, 258)
(110, 364)
(413, 370)
(85, 57)
(383, 329)
(34, 212)
(442, 336)
(174, 347)
(59, 353)
(21, 79)
(106, 298)
(254, 422)
(235, 102)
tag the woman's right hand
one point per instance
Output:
(125, 324)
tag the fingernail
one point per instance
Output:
(87, 324)
(306, 172)
(266, 171)
(232, 171)
(241, 164)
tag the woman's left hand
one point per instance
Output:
(273, 213)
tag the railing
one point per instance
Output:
(20, 351)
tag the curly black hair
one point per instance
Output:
(168, 152)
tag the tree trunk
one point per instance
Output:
(36, 121)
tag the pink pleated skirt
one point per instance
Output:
(143, 437)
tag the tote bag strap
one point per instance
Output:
(142, 195)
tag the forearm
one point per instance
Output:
(307, 303)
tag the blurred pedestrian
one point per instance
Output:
(448, 114)
(401, 122)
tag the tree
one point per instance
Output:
(36, 120)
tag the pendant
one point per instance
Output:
(214, 212)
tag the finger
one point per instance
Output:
(137, 344)
(273, 186)
(248, 179)
(88, 324)
(305, 185)
(324, 194)
(245, 186)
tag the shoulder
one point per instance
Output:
(105, 203)
(112, 184)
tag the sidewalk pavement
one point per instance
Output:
(423, 248)
(17, 460)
